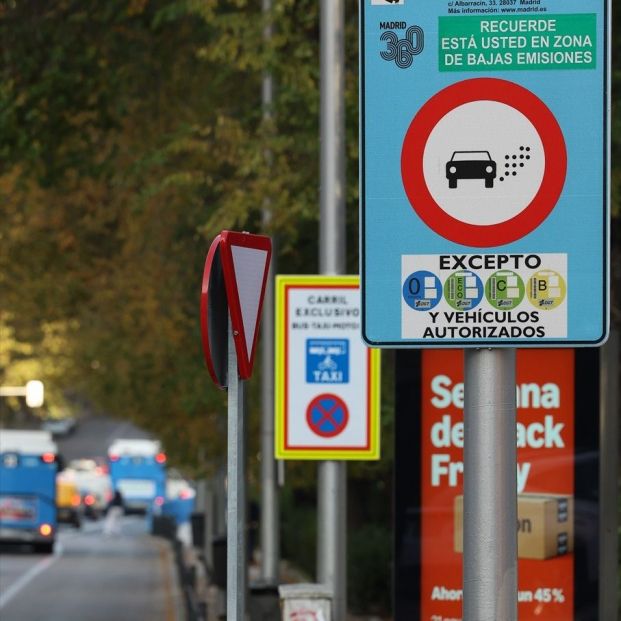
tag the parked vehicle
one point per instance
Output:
(93, 482)
(180, 498)
(28, 466)
(70, 509)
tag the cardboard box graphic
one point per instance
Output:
(545, 525)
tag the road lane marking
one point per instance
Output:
(30, 575)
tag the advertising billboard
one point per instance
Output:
(557, 462)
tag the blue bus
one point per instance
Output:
(138, 471)
(28, 466)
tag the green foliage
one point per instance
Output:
(134, 133)
(21, 361)
(299, 527)
(102, 205)
(369, 569)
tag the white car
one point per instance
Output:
(178, 487)
(93, 481)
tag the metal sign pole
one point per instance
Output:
(270, 535)
(490, 486)
(332, 482)
(236, 491)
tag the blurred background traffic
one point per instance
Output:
(88, 496)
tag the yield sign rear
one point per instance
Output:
(245, 264)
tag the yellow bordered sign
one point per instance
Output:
(327, 391)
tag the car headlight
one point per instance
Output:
(489, 169)
(452, 170)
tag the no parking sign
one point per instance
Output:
(327, 380)
(484, 172)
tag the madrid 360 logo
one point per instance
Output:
(401, 50)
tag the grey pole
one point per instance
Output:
(490, 486)
(236, 492)
(332, 532)
(332, 482)
(220, 501)
(270, 540)
(332, 138)
(201, 504)
(210, 518)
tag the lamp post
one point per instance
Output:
(33, 391)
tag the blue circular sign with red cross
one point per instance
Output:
(327, 415)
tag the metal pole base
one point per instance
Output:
(490, 486)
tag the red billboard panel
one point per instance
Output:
(545, 477)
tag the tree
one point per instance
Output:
(99, 227)
(136, 134)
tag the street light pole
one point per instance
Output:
(270, 539)
(332, 484)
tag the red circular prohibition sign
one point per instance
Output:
(546, 125)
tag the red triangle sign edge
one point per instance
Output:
(207, 291)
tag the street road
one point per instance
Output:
(93, 436)
(91, 577)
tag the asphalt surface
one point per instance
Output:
(92, 577)
(94, 434)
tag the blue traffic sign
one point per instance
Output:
(327, 361)
(327, 415)
(484, 189)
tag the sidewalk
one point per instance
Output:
(263, 603)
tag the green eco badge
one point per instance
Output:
(504, 290)
(463, 290)
(546, 289)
